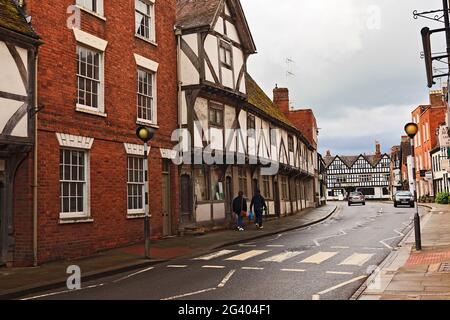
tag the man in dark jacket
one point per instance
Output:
(239, 205)
(259, 203)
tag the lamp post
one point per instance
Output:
(411, 130)
(146, 135)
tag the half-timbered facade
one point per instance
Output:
(226, 116)
(18, 50)
(367, 174)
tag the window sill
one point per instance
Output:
(92, 13)
(84, 109)
(153, 43)
(75, 220)
(145, 123)
(133, 216)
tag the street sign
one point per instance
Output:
(444, 138)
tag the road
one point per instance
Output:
(328, 261)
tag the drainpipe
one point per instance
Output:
(35, 178)
(178, 34)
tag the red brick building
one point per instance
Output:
(429, 118)
(105, 67)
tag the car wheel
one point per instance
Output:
(364, 203)
(413, 205)
(349, 204)
(395, 205)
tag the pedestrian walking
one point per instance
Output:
(259, 204)
(240, 209)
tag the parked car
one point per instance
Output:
(356, 197)
(404, 198)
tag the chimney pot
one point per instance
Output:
(281, 99)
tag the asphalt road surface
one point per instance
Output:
(328, 261)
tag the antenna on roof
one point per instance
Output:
(289, 72)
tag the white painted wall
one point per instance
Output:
(203, 213)
(219, 211)
(212, 50)
(201, 109)
(10, 80)
(7, 109)
(189, 75)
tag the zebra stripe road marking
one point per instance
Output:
(216, 255)
(356, 259)
(319, 257)
(213, 267)
(247, 255)
(252, 268)
(283, 256)
(177, 266)
(340, 273)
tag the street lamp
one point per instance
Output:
(146, 135)
(411, 130)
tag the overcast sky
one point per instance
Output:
(356, 64)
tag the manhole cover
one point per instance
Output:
(445, 268)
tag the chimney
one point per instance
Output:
(436, 98)
(328, 153)
(378, 150)
(281, 99)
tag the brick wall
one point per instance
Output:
(57, 93)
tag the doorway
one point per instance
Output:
(166, 208)
(229, 196)
(186, 199)
(276, 195)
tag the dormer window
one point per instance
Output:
(226, 54)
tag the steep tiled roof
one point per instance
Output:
(328, 160)
(258, 98)
(12, 18)
(196, 13)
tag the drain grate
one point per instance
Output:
(445, 268)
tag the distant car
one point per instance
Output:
(356, 198)
(404, 198)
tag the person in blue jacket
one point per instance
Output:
(259, 203)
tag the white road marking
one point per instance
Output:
(252, 268)
(189, 294)
(317, 296)
(319, 257)
(293, 270)
(213, 267)
(356, 259)
(247, 255)
(177, 266)
(226, 279)
(216, 255)
(340, 273)
(341, 233)
(283, 256)
(133, 274)
(276, 246)
(339, 247)
(62, 292)
(247, 245)
(383, 242)
(368, 248)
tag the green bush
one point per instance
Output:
(443, 198)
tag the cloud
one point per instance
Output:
(352, 58)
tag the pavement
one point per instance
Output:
(18, 282)
(408, 274)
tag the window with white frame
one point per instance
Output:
(73, 183)
(145, 96)
(95, 6)
(135, 185)
(90, 78)
(145, 19)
